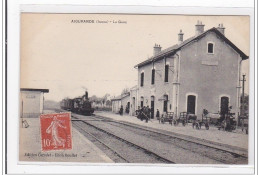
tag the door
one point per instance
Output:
(165, 103)
(127, 107)
(191, 104)
(152, 107)
(224, 103)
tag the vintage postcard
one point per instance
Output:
(125, 88)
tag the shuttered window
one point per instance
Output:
(153, 76)
(210, 48)
(166, 73)
(142, 79)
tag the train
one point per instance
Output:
(80, 105)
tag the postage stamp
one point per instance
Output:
(55, 131)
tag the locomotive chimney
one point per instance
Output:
(86, 94)
(156, 49)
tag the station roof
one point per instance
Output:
(117, 98)
(32, 89)
(173, 49)
(120, 97)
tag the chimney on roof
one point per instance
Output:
(221, 28)
(180, 37)
(199, 27)
(156, 49)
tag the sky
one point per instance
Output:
(67, 57)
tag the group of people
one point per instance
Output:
(121, 110)
(144, 113)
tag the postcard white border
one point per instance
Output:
(14, 9)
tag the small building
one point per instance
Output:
(31, 102)
(116, 104)
(121, 100)
(201, 72)
(133, 100)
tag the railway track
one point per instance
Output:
(214, 152)
(222, 154)
(228, 148)
(122, 149)
(100, 144)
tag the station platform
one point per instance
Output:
(236, 138)
(82, 149)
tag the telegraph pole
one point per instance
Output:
(243, 96)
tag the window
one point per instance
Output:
(166, 73)
(210, 48)
(153, 75)
(142, 79)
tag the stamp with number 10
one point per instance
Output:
(56, 131)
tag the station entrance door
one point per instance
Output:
(191, 104)
(152, 107)
(224, 103)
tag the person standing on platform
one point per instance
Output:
(143, 113)
(121, 110)
(138, 111)
(148, 112)
(158, 114)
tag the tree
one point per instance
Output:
(93, 98)
(108, 103)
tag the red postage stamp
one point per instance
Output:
(56, 131)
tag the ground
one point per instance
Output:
(236, 138)
(85, 151)
(82, 149)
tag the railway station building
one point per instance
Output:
(201, 72)
(31, 102)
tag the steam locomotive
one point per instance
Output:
(80, 105)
